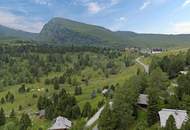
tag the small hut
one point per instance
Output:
(41, 113)
(61, 123)
(180, 117)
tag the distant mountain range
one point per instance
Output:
(9, 33)
(68, 32)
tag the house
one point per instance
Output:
(184, 72)
(143, 100)
(105, 91)
(40, 113)
(180, 116)
(156, 50)
(61, 123)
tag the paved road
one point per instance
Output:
(146, 67)
(93, 119)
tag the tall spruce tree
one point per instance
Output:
(170, 124)
(2, 117)
(25, 122)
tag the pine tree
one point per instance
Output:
(76, 112)
(170, 124)
(25, 122)
(152, 116)
(2, 117)
(12, 114)
(87, 110)
(106, 121)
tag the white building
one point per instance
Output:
(105, 91)
(143, 99)
(61, 123)
(180, 116)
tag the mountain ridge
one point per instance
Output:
(69, 32)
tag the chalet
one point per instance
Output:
(156, 50)
(105, 91)
(180, 117)
(143, 100)
(61, 123)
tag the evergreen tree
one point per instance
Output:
(170, 124)
(87, 110)
(2, 100)
(152, 112)
(76, 112)
(12, 114)
(25, 122)
(2, 117)
(106, 120)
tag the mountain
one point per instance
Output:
(9, 33)
(69, 32)
(60, 30)
(65, 31)
(156, 40)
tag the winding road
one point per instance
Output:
(93, 119)
(146, 67)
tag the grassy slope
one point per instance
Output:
(97, 81)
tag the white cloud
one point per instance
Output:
(94, 7)
(43, 2)
(181, 28)
(187, 2)
(119, 24)
(114, 2)
(145, 4)
(122, 19)
(19, 22)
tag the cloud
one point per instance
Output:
(145, 4)
(94, 7)
(122, 19)
(43, 2)
(186, 3)
(114, 2)
(181, 28)
(119, 23)
(11, 20)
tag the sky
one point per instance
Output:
(142, 16)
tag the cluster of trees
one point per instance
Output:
(14, 123)
(63, 104)
(171, 64)
(27, 63)
(9, 98)
(23, 89)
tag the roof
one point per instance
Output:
(104, 91)
(42, 112)
(61, 123)
(180, 116)
(143, 99)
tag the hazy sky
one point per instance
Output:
(148, 16)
